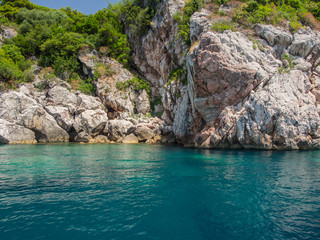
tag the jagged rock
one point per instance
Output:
(15, 134)
(12, 104)
(86, 102)
(142, 103)
(225, 70)
(282, 115)
(199, 24)
(144, 133)
(304, 40)
(60, 96)
(302, 65)
(160, 51)
(83, 137)
(119, 102)
(43, 124)
(131, 138)
(91, 122)
(118, 129)
(274, 35)
(183, 119)
(62, 116)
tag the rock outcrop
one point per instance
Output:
(15, 134)
(256, 91)
(56, 114)
(256, 88)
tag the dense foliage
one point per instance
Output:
(55, 37)
(277, 12)
(183, 19)
(249, 12)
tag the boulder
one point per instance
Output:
(62, 116)
(86, 102)
(274, 35)
(91, 122)
(83, 137)
(12, 104)
(44, 125)
(142, 102)
(118, 129)
(60, 96)
(144, 133)
(15, 134)
(131, 138)
(304, 40)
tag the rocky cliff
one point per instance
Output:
(249, 88)
(256, 88)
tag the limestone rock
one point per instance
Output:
(60, 96)
(118, 129)
(15, 134)
(100, 139)
(12, 104)
(160, 51)
(44, 125)
(304, 40)
(7, 33)
(142, 103)
(274, 35)
(144, 133)
(62, 116)
(131, 138)
(91, 122)
(86, 102)
(199, 24)
(225, 70)
(83, 137)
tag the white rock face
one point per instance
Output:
(244, 101)
(142, 103)
(91, 122)
(304, 40)
(282, 115)
(7, 33)
(119, 102)
(60, 96)
(15, 134)
(44, 125)
(12, 104)
(199, 24)
(62, 116)
(118, 129)
(274, 35)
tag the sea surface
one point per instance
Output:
(75, 191)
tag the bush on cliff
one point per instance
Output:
(183, 19)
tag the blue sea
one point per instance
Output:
(76, 191)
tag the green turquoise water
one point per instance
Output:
(74, 191)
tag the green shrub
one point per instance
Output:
(87, 87)
(177, 74)
(103, 70)
(183, 19)
(136, 83)
(221, 27)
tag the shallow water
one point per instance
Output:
(74, 191)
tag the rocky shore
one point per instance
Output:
(256, 88)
